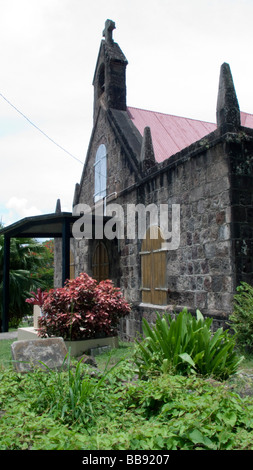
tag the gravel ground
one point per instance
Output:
(9, 335)
(242, 382)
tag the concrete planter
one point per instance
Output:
(77, 348)
(27, 333)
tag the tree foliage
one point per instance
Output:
(242, 317)
(30, 268)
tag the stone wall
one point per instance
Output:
(200, 273)
(57, 262)
(213, 183)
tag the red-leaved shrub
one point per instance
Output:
(37, 298)
(83, 309)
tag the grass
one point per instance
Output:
(247, 363)
(124, 351)
(115, 355)
(5, 352)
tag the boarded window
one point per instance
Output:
(153, 268)
(100, 262)
(100, 168)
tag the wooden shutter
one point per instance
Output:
(71, 266)
(100, 262)
(153, 268)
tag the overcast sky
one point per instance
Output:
(48, 53)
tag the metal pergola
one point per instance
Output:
(56, 225)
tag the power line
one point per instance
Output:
(38, 129)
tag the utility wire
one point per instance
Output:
(38, 129)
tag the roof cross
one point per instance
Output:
(107, 33)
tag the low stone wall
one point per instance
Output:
(131, 326)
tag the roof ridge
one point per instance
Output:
(177, 116)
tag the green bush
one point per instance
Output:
(189, 413)
(242, 317)
(185, 344)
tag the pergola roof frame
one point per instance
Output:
(56, 225)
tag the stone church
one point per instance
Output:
(139, 157)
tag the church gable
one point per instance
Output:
(110, 166)
(113, 130)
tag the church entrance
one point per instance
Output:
(100, 262)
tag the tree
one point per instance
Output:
(45, 272)
(29, 265)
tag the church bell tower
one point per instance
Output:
(110, 74)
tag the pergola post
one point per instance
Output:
(6, 287)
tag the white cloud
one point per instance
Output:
(20, 208)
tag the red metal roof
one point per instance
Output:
(247, 120)
(170, 134)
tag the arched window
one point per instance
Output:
(100, 167)
(100, 262)
(153, 268)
